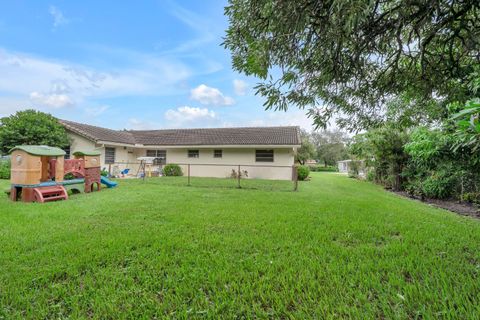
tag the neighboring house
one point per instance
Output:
(264, 152)
(345, 166)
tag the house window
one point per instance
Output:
(160, 156)
(217, 153)
(264, 155)
(109, 155)
(193, 154)
(67, 152)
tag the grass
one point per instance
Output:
(338, 248)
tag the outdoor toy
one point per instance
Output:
(145, 168)
(37, 173)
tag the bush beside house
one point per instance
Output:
(303, 172)
(172, 170)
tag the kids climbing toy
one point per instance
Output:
(38, 172)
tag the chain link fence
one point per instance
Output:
(261, 177)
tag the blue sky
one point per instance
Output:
(126, 64)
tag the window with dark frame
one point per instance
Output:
(217, 153)
(193, 154)
(159, 155)
(109, 155)
(264, 155)
(67, 152)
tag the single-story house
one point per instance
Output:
(264, 152)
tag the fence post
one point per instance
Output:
(188, 174)
(109, 170)
(295, 177)
(238, 177)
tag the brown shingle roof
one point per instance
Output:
(191, 137)
(97, 133)
(219, 136)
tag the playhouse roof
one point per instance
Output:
(40, 150)
(86, 153)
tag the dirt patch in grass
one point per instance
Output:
(462, 208)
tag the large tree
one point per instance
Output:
(306, 150)
(331, 146)
(31, 127)
(352, 57)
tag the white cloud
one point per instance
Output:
(240, 87)
(58, 83)
(137, 124)
(96, 111)
(9, 105)
(53, 100)
(58, 17)
(210, 96)
(56, 98)
(188, 114)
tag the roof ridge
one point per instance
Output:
(214, 128)
(91, 125)
(265, 135)
(81, 129)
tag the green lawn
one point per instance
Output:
(337, 248)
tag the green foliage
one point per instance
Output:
(471, 197)
(440, 185)
(104, 173)
(306, 150)
(331, 146)
(31, 127)
(69, 176)
(354, 168)
(427, 145)
(468, 128)
(383, 150)
(321, 168)
(172, 170)
(303, 172)
(356, 56)
(370, 175)
(5, 169)
(437, 168)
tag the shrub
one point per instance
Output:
(414, 188)
(440, 185)
(354, 169)
(4, 169)
(303, 172)
(104, 172)
(320, 168)
(370, 175)
(172, 170)
(471, 197)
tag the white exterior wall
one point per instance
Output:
(79, 143)
(208, 166)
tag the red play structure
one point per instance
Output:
(38, 173)
(77, 168)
